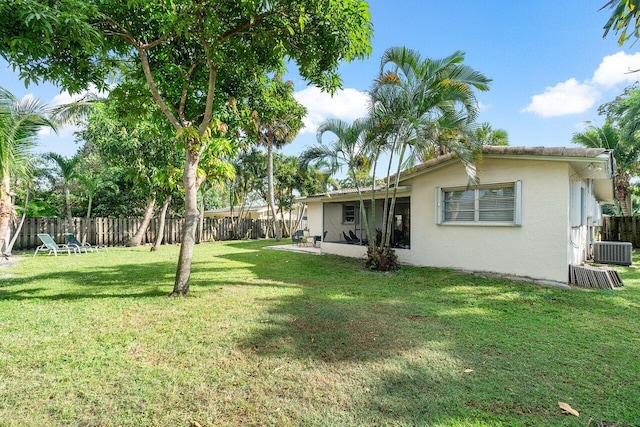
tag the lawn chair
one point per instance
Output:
(53, 247)
(347, 238)
(72, 241)
(354, 238)
(318, 239)
(297, 237)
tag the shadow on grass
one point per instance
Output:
(526, 346)
(408, 336)
(119, 281)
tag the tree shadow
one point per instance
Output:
(149, 280)
(426, 331)
(347, 320)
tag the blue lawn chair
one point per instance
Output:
(72, 241)
(53, 248)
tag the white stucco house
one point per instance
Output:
(532, 214)
(261, 212)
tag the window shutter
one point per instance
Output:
(439, 207)
(517, 208)
(575, 210)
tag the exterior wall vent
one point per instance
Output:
(594, 277)
(612, 253)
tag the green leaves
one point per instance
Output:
(20, 122)
(626, 14)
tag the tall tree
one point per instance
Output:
(278, 116)
(244, 187)
(66, 171)
(623, 116)
(625, 154)
(416, 101)
(142, 146)
(413, 104)
(188, 53)
(350, 150)
(20, 121)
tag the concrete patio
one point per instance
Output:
(310, 249)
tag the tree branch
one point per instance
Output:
(213, 71)
(211, 87)
(142, 48)
(246, 25)
(155, 93)
(156, 42)
(183, 96)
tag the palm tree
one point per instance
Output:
(421, 100)
(67, 171)
(278, 119)
(468, 136)
(350, 150)
(485, 134)
(625, 154)
(20, 121)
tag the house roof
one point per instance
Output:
(237, 209)
(350, 194)
(572, 155)
(541, 153)
(261, 208)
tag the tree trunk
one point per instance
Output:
(392, 207)
(67, 199)
(160, 234)
(272, 204)
(200, 221)
(9, 247)
(137, 238)
(6, 211)
(622, 182)
(183, 273)
(86, 232)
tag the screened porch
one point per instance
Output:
(344, 222)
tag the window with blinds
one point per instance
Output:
(349, 214)
(486, 204)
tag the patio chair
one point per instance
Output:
(50, 244)
(347, 238)
(354, 238)
(318, 239)
(72, 241)
(297, 237)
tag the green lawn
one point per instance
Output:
(279, 338)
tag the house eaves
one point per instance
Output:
(572, 155)
(351, 194)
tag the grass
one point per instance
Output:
(278, 338)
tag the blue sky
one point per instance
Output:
(550, 66)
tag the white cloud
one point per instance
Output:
(66, 131)
(347, 104)
(569, 97)
(64, 98)
(572, 97)
(617, 68)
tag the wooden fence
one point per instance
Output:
(116, 231)
(621, 229)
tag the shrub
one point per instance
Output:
(382, 258)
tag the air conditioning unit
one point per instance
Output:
(612, 253)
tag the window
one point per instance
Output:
(349, 214)
(498, 203)
(579, 200)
